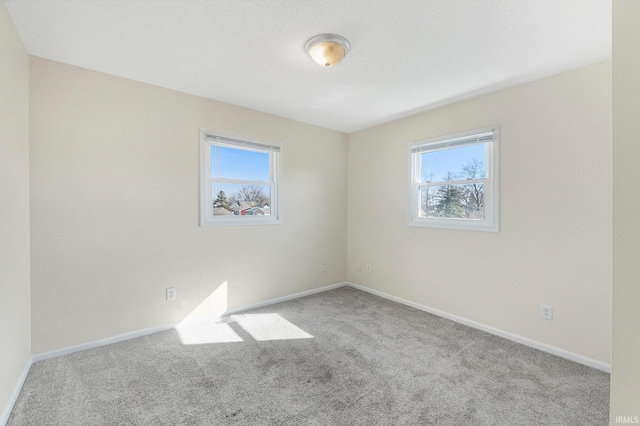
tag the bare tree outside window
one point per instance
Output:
(473, 194)
(253, 194)
(456, 200)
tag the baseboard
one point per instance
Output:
(16, 391)
(151, 330)
(102, 342)
(514, 337)
(285, 298)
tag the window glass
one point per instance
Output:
(236, 163)
(454, 181)
(453, 201)
(454, 164)
(241, 199)
(240, 181)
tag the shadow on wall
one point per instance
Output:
(199, 327)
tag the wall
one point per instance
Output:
(114, 198)
(625, 379)
(554, 244)
(15, 316)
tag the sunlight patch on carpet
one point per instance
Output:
(264, 327)
(258, 327)
(206, 332)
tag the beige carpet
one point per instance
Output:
(343, 357)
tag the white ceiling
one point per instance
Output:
(406, 55)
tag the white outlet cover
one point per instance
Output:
(546, 312)
(171, 293)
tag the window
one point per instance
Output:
(241, 181)
(454, 181)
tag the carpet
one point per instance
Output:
(342, 357)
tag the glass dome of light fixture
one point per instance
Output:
(327, 50)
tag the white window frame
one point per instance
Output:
(487, 135)
(209, 138)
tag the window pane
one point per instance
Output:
(466, 162)
(241, 200)
(453, 201)
(235, 163)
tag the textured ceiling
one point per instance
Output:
(406, 55)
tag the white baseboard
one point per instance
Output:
(514, 337)
(102, 342)
(126, 336)
(151, 330)
(16, 391)
(285, 298)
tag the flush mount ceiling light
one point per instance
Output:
(327, 50)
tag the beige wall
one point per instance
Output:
(15, 317)
(114, 198)
(625, 379)
(554, 244)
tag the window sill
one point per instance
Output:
(459, 224)
(244, 221)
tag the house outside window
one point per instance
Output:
(453, 181)
(241, 181)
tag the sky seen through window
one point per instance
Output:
(436, 164)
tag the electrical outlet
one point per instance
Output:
(171, 293)
(323, 267)
(546, 312)
(368, 267)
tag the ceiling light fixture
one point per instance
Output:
(327, 50)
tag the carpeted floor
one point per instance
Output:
(342, 357)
